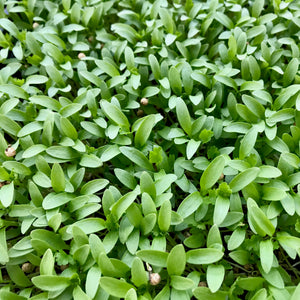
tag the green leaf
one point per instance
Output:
(164, 294)
(131, 295)
(115, 287)
(269, 172)
(107, 67)
(176, 260)
(290, 72)
(3, 247)
(280, 116)
(257, 7)
(164, 216)
(166, 19)
(126, 178)
(248, 143)
(122, 204)
(181, 283)
(243, 179)
(4, 294)
(7, 193)
(254, 106)
(90, 161)
(236, 239)
(266, 255)
(296, 293)
(129, 59)
(202, 78)
(89, 225)
(183, 116)
(55, 75)
(212, 173)
(251, 283)
(274, 277)
(204, 256)
(17, 167)
(46, 101)
(47, 263)
(175, 80)
(68, 129)
(289, 241)
(147, 185)
(94, 186)
(34, 150)
(126, 31)
(10, 27)
(215, 276)
(190, 204)
(205, 293)
(226, 80)
(137, 157)
(58, 180)
(150, 91)
(92, 281)
(51, 282)
(259, 220)
(154, 257)
(154, 66)
(144, 130)
(221, 209)
(252, 85)
(8, 125)
(115, 114)
(223, 19)
(17, 276)
(53, 200)
(79, 294)
(139, 275)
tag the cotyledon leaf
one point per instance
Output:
(212, 173)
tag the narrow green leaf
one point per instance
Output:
(204, 256)
(58, 180)
(137, 157)
(68, 129)
(212, 173)
(8, 125)
(243, 179)
(7, 193)
(154, 257)
(290, 72)
(94, 186)
(51, 282)
(266, 255)
(183, 116)
(17, 167)
(190, 204)
(115, 287)
(115, 114)
(139, 275)
(175, 80)
(259, 220)
(164, 216)
(215, 276)
(122, 204)
(154, 66)
(107, 67)
(144, 130)
(247, 143)
(47, 263)
(176, 260)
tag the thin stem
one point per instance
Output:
(289, 264)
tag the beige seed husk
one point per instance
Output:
(154, 278)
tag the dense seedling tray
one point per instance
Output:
(149, 150)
